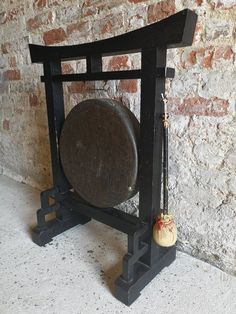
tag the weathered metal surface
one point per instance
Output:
(99, 151)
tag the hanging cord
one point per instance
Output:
(165, 121)
(164, 230)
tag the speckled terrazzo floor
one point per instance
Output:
(75, 273)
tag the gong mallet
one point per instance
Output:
(164, 230)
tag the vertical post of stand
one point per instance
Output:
(94, 63)
(151, 144)
(56, 117)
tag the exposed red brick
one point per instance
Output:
(160, 10)
(188, 60)
(199, 2)
(106, 28)
(77, 27)
(54, 36)
(192, 57)
(199, 106)
(39, 20)
(33, 23)
(119, 63)
(34, 100)
(81, 87)
(12, 75)
(174, 105)
(206, 56)
(5, 47)
(67, 68)
(207, 61)
(128, 86)
(223, 53)
(6, 125)
(40, 3)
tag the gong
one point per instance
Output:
(99, 151)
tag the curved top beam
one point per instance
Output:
(174, 31)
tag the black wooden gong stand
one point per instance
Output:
(144, 258)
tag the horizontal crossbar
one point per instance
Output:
(112, 217)
(112, 75)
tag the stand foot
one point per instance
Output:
(44, 235)
(128, 292)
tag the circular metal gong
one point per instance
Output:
(99, 151)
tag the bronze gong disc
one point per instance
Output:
(99, 151)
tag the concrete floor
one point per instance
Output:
(75, 273)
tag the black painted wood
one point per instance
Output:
(56, 117)
(112, 217)
(109, 75)
(113, 75)
(172, 32)
(128, 291)
(94, 63)
(151, 143)
(144, 259)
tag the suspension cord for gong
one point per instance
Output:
(164, 230)
(165, 122)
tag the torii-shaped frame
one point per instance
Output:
(144, 259)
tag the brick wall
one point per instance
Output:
(202, 104)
